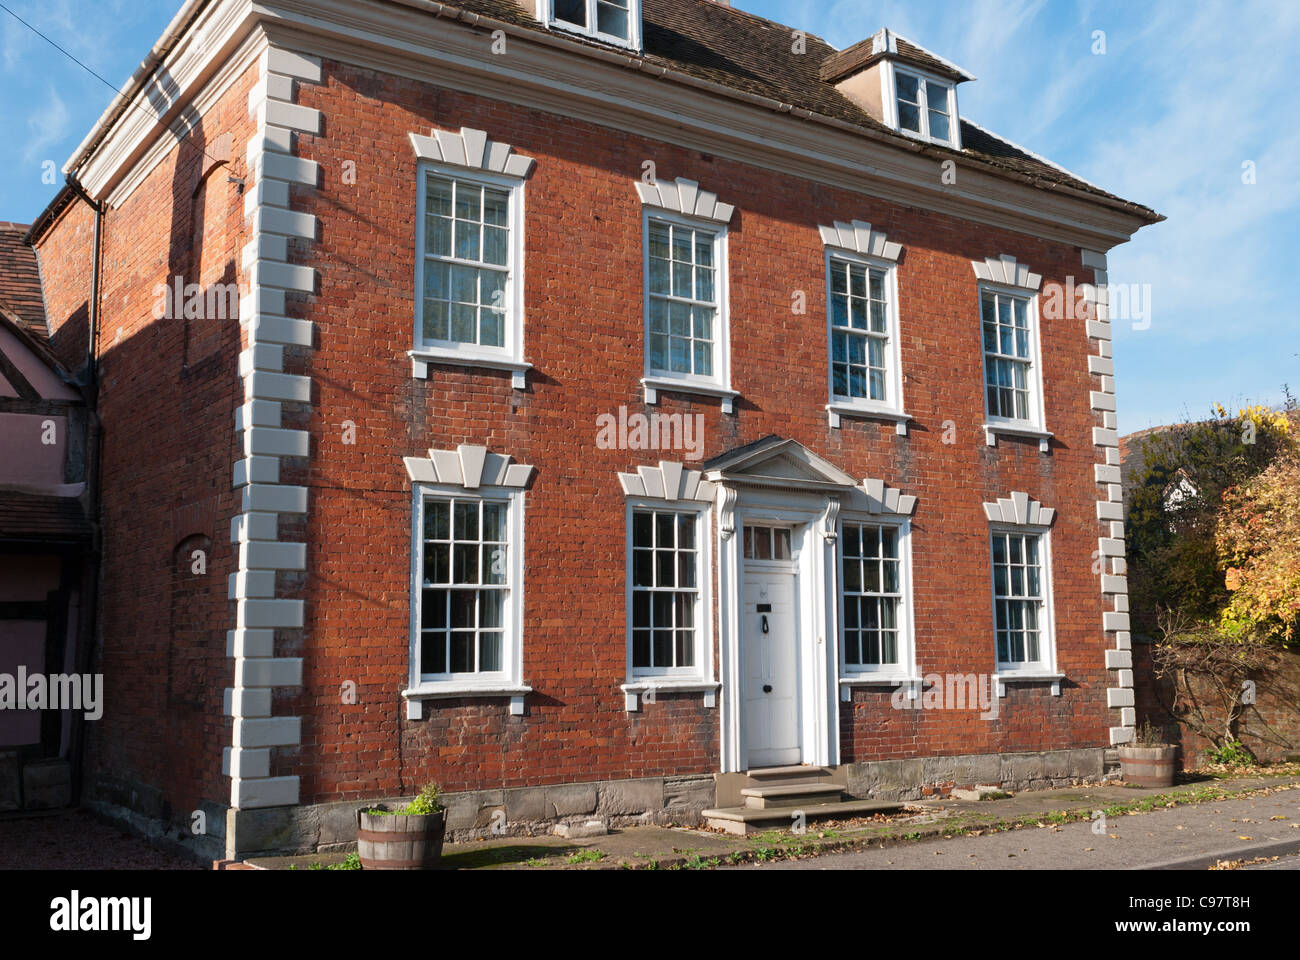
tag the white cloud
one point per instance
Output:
(47, 125)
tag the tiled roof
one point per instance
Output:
(20, 280)
(27, 518)
(736, 49)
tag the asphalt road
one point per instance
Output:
(1190, 837)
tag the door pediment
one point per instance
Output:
(778, 462)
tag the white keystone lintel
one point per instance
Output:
(472, 149)
(685, 197)
(879, 499)
(668, 481)
(1020, 509)
(859, 237)
(468, 466)
(1006, 271)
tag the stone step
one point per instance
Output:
(743, 821)
(775, 795)
(788, 774)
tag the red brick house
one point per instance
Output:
(626, 400)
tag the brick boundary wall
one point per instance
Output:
(1271, 728)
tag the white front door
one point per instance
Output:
(770, 637)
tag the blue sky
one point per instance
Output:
(1184, 95)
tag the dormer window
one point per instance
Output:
(925, 107)
(613, 21)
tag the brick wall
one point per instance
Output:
(170, 442)
(66, 256)
(583, 331)
(1271, 727)
(168, 390)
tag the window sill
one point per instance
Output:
(1044, 437)
(420, 360)
(653, 385)
(1026, 677)
(635, 691)
(415, 696)
(847, 683)
(836, 410)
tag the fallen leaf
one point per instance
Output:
(1245, 838)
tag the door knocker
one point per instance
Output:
(765, 623)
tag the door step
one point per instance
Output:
(792, 794)
(743, 821)
(788, 774)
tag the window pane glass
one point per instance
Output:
(496, 207)
(438, 200)
(908, 87)
(909, 117)
(463, 605)
(436, 520)
(610, 18)
(462, 652)
(939, 126)
(433, 653)
(489, 652)
(643, 529)
(433, 609)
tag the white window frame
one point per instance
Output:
(1035, 425)
(701, 675)
(546, 14)
(720, 382)
(508, 680)
(893, 404)
(1045, 666)
(510, 354)
(905, 669)
(889, 94)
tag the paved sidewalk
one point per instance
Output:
(1186, 836)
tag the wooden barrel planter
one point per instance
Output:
(399, 841)
(1149, 766)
